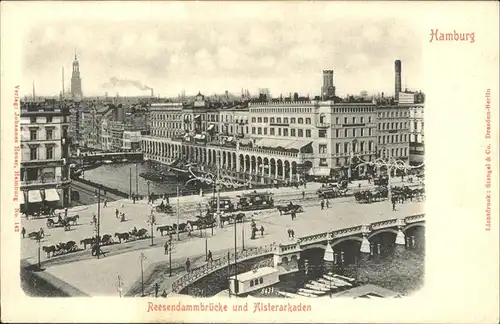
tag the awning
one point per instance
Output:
(320, 172)
(230, 139)
(51, 195)
(197, 116)
(20, 198)
(199, 136)
(279, 143)
(210, 127)
(34, 196)
(186, 135)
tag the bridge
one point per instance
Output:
(285, 257)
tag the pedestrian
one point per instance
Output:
(94, 219)
(327, 203)
(393, 204)
(23, 231)
(359, 185)
(305, 185)
(105, 203)
(293, 233)
(209, 256)
(157, 288)
(289, 233)
(261, 230)
(168, 200)
(322, 204)
(303, 195)
(65, 212)
(189, 229)
(188, 265)
(133, 198)
(166, 247)
(117, 213)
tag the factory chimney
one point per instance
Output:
(34, 98)
(152, 93)
(397, 69)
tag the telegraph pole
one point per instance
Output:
(136, 180)
(178, 213)
(130, 184)
(142, 258)
(235, 261)
(98, 238)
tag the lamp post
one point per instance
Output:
(142, 257)
(170, 256)
(120, 286)
(130, 183)
(136, 180)
(351, 156)
(152, 221)
(178, 213)
(235, 262)
(38, 242)
(98, 225)
(148, 182)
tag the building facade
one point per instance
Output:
(45, 151)
(393, 132)
(417, 147)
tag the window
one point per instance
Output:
(354, 120)
(285, 120)
(362, 119)
(362, 146)
(253, 130)
(354, 132)
(345, 133)
(285, 131)
(345, 120)
(271, 120)
(271, 131)
(253, 119)
(292, 120)
(369, 119)
(323, 162)
(49, 119)
(346, 147)
(362, 132)
(261, 280)
(259, 131)
(33, 120)
(32, 134)
(265, 130)
(279, 131)
(278, 120)
(300, 120)
(308, 120)
(33, 153)
(265, 119)
(322, 148)
(251, 283)
(308, 133)
(259, 120)
(337, 120)
(337, 133)
(49, 134)
(49, 153)
(322, 133)
(300, 133)
(256, 282)
(292, 132)
(337, 148)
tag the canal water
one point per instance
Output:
(122, 176)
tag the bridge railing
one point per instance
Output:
(106, 188)
(220, 263)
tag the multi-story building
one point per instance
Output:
(416, 120)
(393, 132)
(131, 140)
(45, 149)
(166, 120)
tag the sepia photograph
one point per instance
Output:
(274, 158)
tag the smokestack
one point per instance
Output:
(63, 81)
(34, 90)
(397, 69)
(152, 96)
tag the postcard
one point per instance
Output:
(249, 162)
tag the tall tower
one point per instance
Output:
(76, 81)
(397, 85)
(328, 89)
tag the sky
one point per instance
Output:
(212, 48)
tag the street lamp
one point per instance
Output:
(149, 182)
(142, 257)
(170, 256)
(152, 221)
(98, 225)
(39, 246)
(136, 180)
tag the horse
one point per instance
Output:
(123, 236)
(48, 249)
(85, 242)
(70, 246)
(73, 219)
(239, 217)
(138, 234)
(282, 209)
(107, 239)
(51, 223)
(164, 228)
(198, 223)
(60, 248)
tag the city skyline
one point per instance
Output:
(170, 56)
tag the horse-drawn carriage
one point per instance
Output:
(331, 192)
(60, 248)
(232, 217)
(63, 222)
(225, 205)
(164, 208)
(255, 200)
(290, 208)
(369, 196)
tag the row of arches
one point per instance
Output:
(261, 167)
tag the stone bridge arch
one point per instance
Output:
(384, 230)
(349, 238)
(407, 227)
